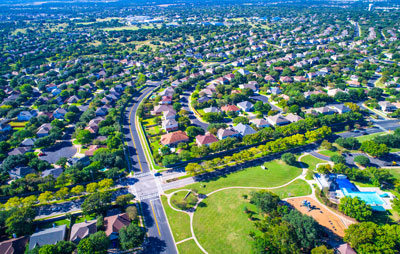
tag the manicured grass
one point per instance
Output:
(276, 174)
(178, 198)
(395, 172)
(328, 153)
(150, 121)
(179, 221)
(83, 218)
(220, 224)
(370, 136)
(311, 161)
(189, 247)
(17, 124)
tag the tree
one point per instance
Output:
(338, 159)
(355, 208)
(374, 149)
(124, 200)
(362, 160)
(20, 221)
(265, 201)
(96, 243)
(45, 197)
(84, 137)
(62, 193)
(77, 190)
(97, 203)
(170, 159)
(322, 250)
(288, 158)
(131, 236)
(241, 119)
(132, 212)
(62, 161)
(193, 131)
(348, 143)
(92, 187)
(375, 93)
(105, 184)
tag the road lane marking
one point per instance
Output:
(155, 218)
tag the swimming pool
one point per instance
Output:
(350, 190)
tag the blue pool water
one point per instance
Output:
(349, 189)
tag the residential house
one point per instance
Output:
(243, 72)
(340, 108)
(4, 126)
(275, 90)
(211, 110)
(169, 125)
(113, 225)
(159, 109)
(59, 113)
(345, 248)
(244, 129)
(92, 149)
(324, 110)
(299, 79)
(269, 78)
(102, 111)
(227, 133)
(203, 99)
(245, 106)
(333, 92)
(293, 118)
(174, 138)
(20, 150)
(48, 236)
(260, 123)
(28, 142)
(85, 161)
(44, 130)
(166, 100)
(72, 99)
(20, 172)
(228, 108)
(55, 172)
(26, 115)
(206, 139)
(278, 120)
(286, 79)
(387, 106)
(249, 86)
(82, 230)
(14, 245)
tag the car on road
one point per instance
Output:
(41, 154)
(157, 174)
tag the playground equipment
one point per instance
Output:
(306, 204)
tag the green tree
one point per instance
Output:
(288, 158)
(84, 137)
(124, 200)
(20, 221)
(97, 203)
(131, 236)
(355, 208)
(132, 212)
(95, 244)
(362, 160)
(265, 201)
(338, 159)
(374, 149)
(322, 250)
(193, 131)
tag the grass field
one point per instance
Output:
(370, 136)
(328, 153)
(189, 247)
(276, 174)
(311, 161)
(179, 222)
(220, 224)
(179, 196)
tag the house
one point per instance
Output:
(245, 106)
(20, 150)
(169, 114)
(211, 110)
(228, 108)
(59, 113)
(260, 123)
(244, 129)
(249, 86)
(44, 130)
(293, 118)
(5, 127)
(102, 111)
(55, 172)
(158, 110)
(92, 149)
(113, 224)
(278, 120)
(82, 230)
(173, 138)
(14, 246)
(28, 142)
(169, 91)
(227, 133)
(333, 92)
(48, 236)
(206, 139)
(169, 125)
(20, 172)
(340, 108)
(203, 99)
(243, 72)
(72, 99)
(85, 161)
(92, 128)
(165, 100)
(299, 79)
(275, 90)
(345, 249)
(324, 110)
(269, 78)
(286, 79)
(387, 106)
(26, 115)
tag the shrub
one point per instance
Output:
(362, 160)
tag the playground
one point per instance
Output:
(323, 216)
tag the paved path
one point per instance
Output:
(144, 185)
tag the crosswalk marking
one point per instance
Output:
(149, 196)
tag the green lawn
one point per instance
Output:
(370, 136)
(179, 198)
(276, 174)
(189, 247)
(328, 153)
(220, 224)
(311, 161)
(150, 121)
(395, 172)
(179, 222)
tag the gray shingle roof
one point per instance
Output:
(47, 236)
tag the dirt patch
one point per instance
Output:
(322, 215)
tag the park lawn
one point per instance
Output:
(311, 161)
(189, 247)
(370, 136)
(178, 221)
(220, 224)
(328, 153)
(179, 197)
(276, 174)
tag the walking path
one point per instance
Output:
(312, 196)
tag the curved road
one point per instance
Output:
(144, 185)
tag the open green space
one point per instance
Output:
(222, 226)
(328, 153)
(180, 201)
(276, 173)
(370, 136)
(189, 247)
(311, 162)
(178, 221)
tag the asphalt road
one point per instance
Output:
(145, 186)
